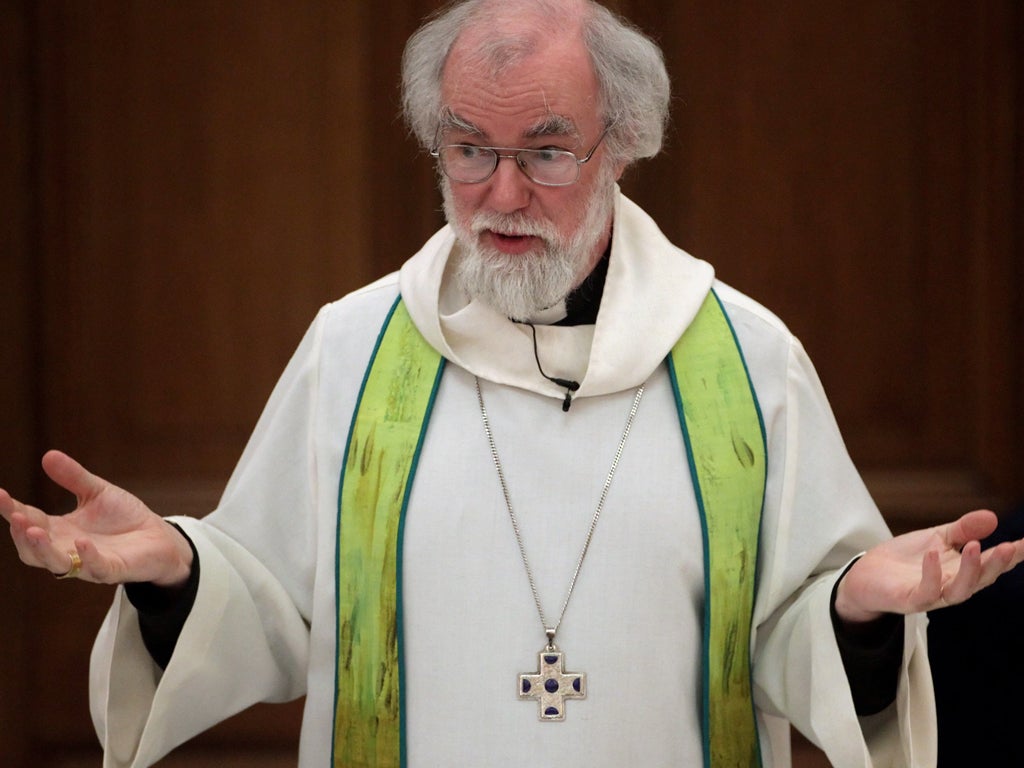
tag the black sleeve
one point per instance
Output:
(162, 612)
(872, 655)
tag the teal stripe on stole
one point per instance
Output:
(711, 342)
(729, 472)
(389, 423)
(400, 618)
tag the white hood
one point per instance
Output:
(652, 293)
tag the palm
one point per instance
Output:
(117, 536)
(926, 569)
(900, 559)
(119, 526)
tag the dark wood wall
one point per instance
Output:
(183, 184)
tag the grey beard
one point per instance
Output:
(521, 286)
(517, 286)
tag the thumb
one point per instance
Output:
(72, 476)
(971, 526)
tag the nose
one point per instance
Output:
(508, 189)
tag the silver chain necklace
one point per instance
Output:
(550, 686)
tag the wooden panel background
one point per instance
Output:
(185, 183)
(853, 166)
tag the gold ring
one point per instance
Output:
(76, 566)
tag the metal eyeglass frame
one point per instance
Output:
(512, 153)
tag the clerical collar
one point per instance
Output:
(584, 300)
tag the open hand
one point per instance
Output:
(926, 569)
(117, 538)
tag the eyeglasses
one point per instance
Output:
(470, 164)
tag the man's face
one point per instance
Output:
(526, 245)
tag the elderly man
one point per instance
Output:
(570, 501)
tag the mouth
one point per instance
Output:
(509, 243)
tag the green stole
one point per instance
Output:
(725, 442)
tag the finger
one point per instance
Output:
(93, 564)
(1018, 551)
(98, 567)
(7, 505)
(998, 560)
(929, 591)
(27, 552)
(71, 475)
(972, 526)
(44, 553)
(73, 567)
(30, 532)
(16, 513)
(967, 580)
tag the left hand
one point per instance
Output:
(926, 569)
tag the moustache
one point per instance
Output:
(512, 225)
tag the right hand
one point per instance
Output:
(118, 538)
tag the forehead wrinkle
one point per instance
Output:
(546, 94)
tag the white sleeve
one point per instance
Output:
(247, 637)
(244, 642)
(818, 517)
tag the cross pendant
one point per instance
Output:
(551, 686)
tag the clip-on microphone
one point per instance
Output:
(570, 385)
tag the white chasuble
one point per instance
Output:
(263, 627)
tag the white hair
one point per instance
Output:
(630, 69)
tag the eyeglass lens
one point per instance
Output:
(470, 164)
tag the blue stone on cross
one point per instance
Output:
(551, 686)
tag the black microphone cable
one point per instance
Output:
(570, 385)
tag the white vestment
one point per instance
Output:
(263, 624)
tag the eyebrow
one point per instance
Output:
(450, 120)
(552, 125)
